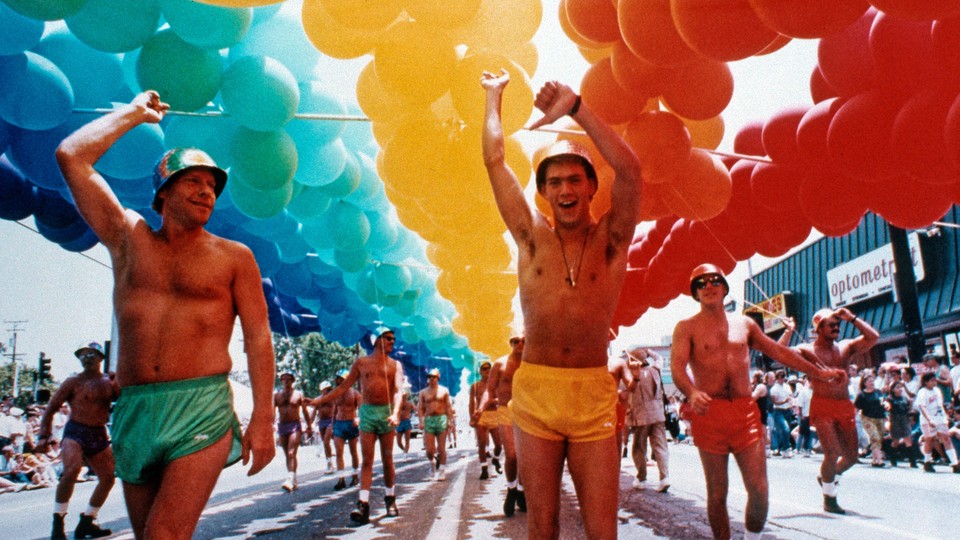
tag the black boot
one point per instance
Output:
(355, 480)
(88, 528)
(58, 533)
(510, 503)
(894, 454)
(361, 514)
(830, 505)
(390, 501)
(483, 473)
(521, 500)
(496, 465)
(341, 484)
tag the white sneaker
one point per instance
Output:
(441, 475)
(787, 454)
(663, 486)
(639, 485)
(288, 486)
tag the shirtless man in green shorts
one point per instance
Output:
(177, 292)
(570, 270)
(381, 382)
(436, 412)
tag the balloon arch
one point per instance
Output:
(379, 211)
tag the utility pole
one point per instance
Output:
(14, 356)
(905, 281)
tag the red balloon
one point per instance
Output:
(595, 20)
(775, 187)
(919, 138)
(647, 28)
(945, 35)
(637, 75)
(812, 132)
(902, 52)
(919, 9)
(779, 136)
(844, 57)
(820, 89)
(779, 232)
(903, 202)
(832, 201)
(951, 132)
(749, 140)
(809, 18)
(725, 31)
(860, 136)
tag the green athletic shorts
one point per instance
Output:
(373, 419)
(435, 424)
(154, 424)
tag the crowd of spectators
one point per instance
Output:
(889, 417)
(21, 466)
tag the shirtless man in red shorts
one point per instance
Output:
(715, 346)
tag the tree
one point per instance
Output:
(312, 358)
(28, 376)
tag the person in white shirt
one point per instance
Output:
(933, 422)
(802, 401)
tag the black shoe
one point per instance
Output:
(483, 473)
(341, 484)
(362, 513)
(58, 533)
(878, 465)
(624, 451)
(510, 503)
(354, 481)
(88, 528)
(436, 458)
(521, 500)
(956, 468)
(390, 502)
(496, 465)
(928, 466)
(830, 505)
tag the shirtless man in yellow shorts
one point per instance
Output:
(484, 421)
(177, 292)
(715, 346)
(570, 270)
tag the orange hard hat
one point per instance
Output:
(707, 270)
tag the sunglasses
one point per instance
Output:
(86, 355)
(703, 281)
(834, 324)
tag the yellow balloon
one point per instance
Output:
(378, 103)
(240, 3)
(502, 25)
(415, 62)
(469, 96)
(446, 13)
(364, 14)
(527, 56)
(332, 38)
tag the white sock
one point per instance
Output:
(365, 495)
(511, 484)
(952, 454)
(750, 535)
(519, 486)
(92, 511)
(344, 473)
(390, 491)
(60, 508)
(830, 489)
(927, 457)
(355, 471)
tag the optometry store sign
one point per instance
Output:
(869, 275)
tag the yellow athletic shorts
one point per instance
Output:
(488, 419)
(504, 416)
(572, 404)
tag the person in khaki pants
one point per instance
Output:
(645, 416)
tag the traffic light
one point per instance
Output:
(43, 370)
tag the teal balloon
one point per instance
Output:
(259, 93)
(348, 225)
(383, 231)
(186, 76)
(133, 193)
(348, 180)
(273, 227)
(34, 93)
(316, 234)
(308, 202)
(366, 287)
(408, 304)
(115, 25)
(256, 203)
(314, 99)
(283, 39)
(320, 165)
(369, 184)
(46, 10)
(263, 160)
(207, 26)
(212, 134)
(353, 260)
(129, 65)
(134, 154)
(95, 76)
(293, 248)
(392, 279)
(358, 136)
(18, 32)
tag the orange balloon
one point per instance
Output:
(662, 143)
(727, 30)
(576, 37)
(635, 74)
(919, 9)
(808, 18)
(701, 189)
(592, 56)
(332, 38)
(652, 204)
(700, 90)
(595, 20)
(647, 28)
(607, 98)
(707, 134)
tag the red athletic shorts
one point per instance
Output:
(838, 411)
(730, 426)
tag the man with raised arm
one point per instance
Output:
(381, 384)
(831, 409)
(85, 439)
(570, 272)
(710, 363)
(177, 292)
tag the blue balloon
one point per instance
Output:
(115, 25)
(212, 134)
(33, 152)
(18, 33)
(206, 26)
(34, 93)
(135, 154)
(59, 235)
(18, 197)
(136, 193)
(95, 76)
(293, 248)
(348, 225)
(358, 136)
(83, 243)
(55, 212)
(6, 135)
(334, 300)
(370, 184)
(265, 252)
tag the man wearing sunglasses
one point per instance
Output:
(831, 410)
(710, 363)
(85, 438)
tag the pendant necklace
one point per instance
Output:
(571, 277)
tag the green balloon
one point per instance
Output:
(256, 203)
(115, 25)
(187, 77)
(348, 225)
(45, 10)
(264, 160)
(351, 261)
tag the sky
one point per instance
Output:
(63, 299)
